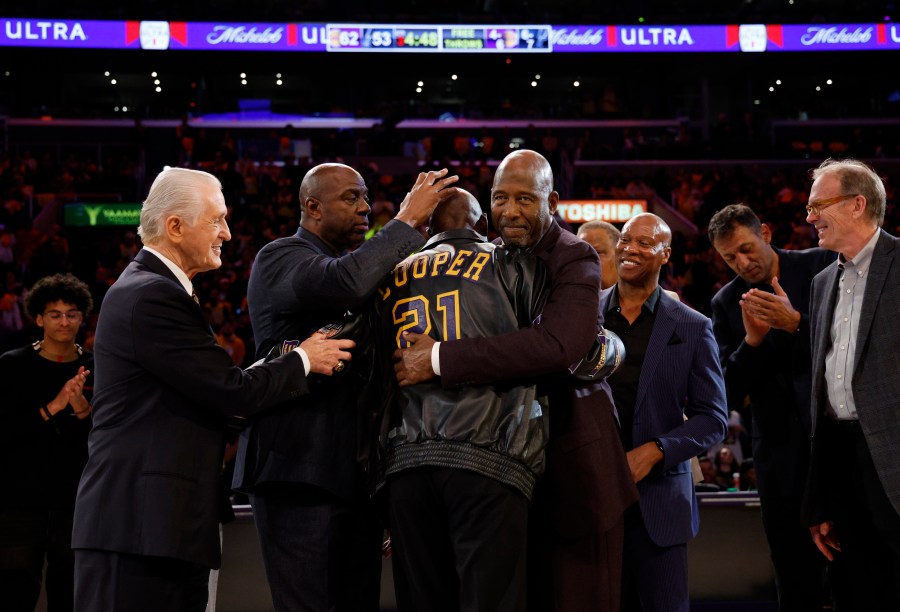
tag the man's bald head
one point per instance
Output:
(531, 164)
(522, 198)
(334, 205)
(459, 210)
(659, 227)
(643, 249)
(322, 178)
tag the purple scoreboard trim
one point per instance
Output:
(162, 35)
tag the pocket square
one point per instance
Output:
(674, 340)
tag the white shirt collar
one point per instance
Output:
(864, 257)
(178, 272)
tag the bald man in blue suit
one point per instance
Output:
(670, 395)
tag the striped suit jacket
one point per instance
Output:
(680, 377)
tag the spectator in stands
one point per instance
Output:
(232, 343)
(383, 210)
(748, 475)
(218, 308)
(726, 467)
(43, 448)
(708, 469)
(736, 438)
(603, 237)
(51, 255)
(10, 319)
(7, 250)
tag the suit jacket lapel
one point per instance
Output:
(605, 296)
(875, 279)
(663, 330)
(155, 264)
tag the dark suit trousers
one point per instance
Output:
(799, 566)
(320, 552)
(572, 574)
(107, 581)
(867, 525)
(654, 578)
(459, 539)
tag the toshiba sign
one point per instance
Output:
(581, 211)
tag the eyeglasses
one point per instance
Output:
(56, 316)
(815, 208)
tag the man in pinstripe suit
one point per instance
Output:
(671, 371)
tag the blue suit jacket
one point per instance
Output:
(680, 377)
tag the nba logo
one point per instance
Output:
(752, 37)
(155, 35)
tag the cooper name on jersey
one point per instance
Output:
(445, 261)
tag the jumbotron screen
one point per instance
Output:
(428, 38)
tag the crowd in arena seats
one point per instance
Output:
(262, 199)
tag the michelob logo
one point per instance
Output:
(834, 36)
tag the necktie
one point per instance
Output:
(194, 295)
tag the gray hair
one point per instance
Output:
(858, 177)
(611, 230)
(174, 192)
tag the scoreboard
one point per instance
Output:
(464, 38)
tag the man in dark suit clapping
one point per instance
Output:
(147, 514)
(767, 356)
